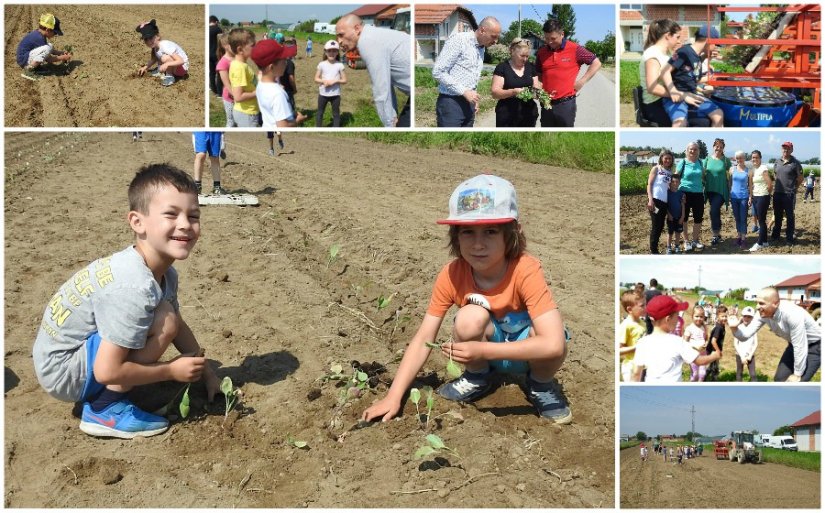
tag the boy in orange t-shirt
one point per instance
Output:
(507, 318)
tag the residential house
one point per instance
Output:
(635, 19)
(803, 287)
(806, 432)
(371, 14)
(434, 24)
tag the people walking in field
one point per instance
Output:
(558, 63)
(510, 79)
(810, 182)
(739, 195)
(106, 328)
(789, 176)
(309, 48)
(225, 58)
(696, 335)
(167, 60)
(643, 451)
(457, 70)
(658, 183)
(330, 75)
(693, 175)
(802, 357)
(386, 54)
(270, 136)
(519, 330)
(273, 102)
(35, 50)
(661, 354)
(746, 349)
(761, 189)
(242, 79)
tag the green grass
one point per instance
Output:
(633, 180)
(590, 151)
(424, 77)
(628, 445)
(426, 92)
(803, 460)
(628, 80)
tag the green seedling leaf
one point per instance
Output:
(300, 444)
(435, 442)
(453, 370)
(226, 386)
(433, 345)
(383, 302)
(184, 404)
(333, 253)
(423, 452)
(415, 396)
(336, 369)
(362, 377)
(430, 398)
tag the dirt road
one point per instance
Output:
(706, 482)
(274, 315)
(634, 228)
(99, 87)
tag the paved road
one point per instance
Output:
(596, 104)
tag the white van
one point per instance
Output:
(784, 442)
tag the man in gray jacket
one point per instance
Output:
(386, 54)
(802, 358)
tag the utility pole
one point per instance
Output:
(693, 420)
(519, 20)
(700, 276)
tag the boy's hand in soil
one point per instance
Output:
(213, 384)
(463, 352)
(388, 407)
(187, 369)
(142, 71)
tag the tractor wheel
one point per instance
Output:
(732, 456)
(741, 458)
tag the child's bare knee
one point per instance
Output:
(471, 322)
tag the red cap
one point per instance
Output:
(268, 51)
(661, 306)
(787, 144)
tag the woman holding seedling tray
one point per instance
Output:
(515, 83)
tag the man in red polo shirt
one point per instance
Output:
(558, 64)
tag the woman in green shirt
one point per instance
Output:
(717, 187)
(693, 177)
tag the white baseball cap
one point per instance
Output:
(483, 199)
(748, 311)
(331, 45)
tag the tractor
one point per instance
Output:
(741, 448)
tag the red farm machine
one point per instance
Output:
(739, 447)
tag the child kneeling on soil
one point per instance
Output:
(35, 49)
(507, 318)
(105, 329)
(167, 60)
(271, 58)
(661, 353)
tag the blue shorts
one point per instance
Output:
(92, 387)
(513, 327)
(207, 142)
(679, 110)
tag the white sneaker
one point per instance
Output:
(698, 246)
(688, 246)
(756, 247)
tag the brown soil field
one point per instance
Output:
(100, 86)
(634, 229)
(274, 315)
(706, 482)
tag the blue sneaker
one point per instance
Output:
(467, 388)
(121, 419)
(548, 401)
(167, 80)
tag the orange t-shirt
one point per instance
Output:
(522, 288)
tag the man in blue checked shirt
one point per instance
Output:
(457, 70)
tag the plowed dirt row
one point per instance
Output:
(706, 482)
(259, 295)
(634, 226)
(99, 87)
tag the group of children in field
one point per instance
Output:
(167, 60)
(654, 349)
(266, 97)
(107, 327)
(676, 455)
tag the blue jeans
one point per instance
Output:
(716, 201)
(740, 213)
(454, 112)
(783, 205)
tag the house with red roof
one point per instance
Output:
(804, 290)
(635, 19)
(435, 23)
(806, 432)
(376, 14)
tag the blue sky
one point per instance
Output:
(805, 143)
(593, 21)
(281, 13)
(719, 409)
(717, 273)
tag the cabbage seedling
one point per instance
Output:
(333, 254)
(299, 444)
(434, 445)
(415, 398)
(184, 403)
(230, 395)
(453, 369)
(383, 302)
